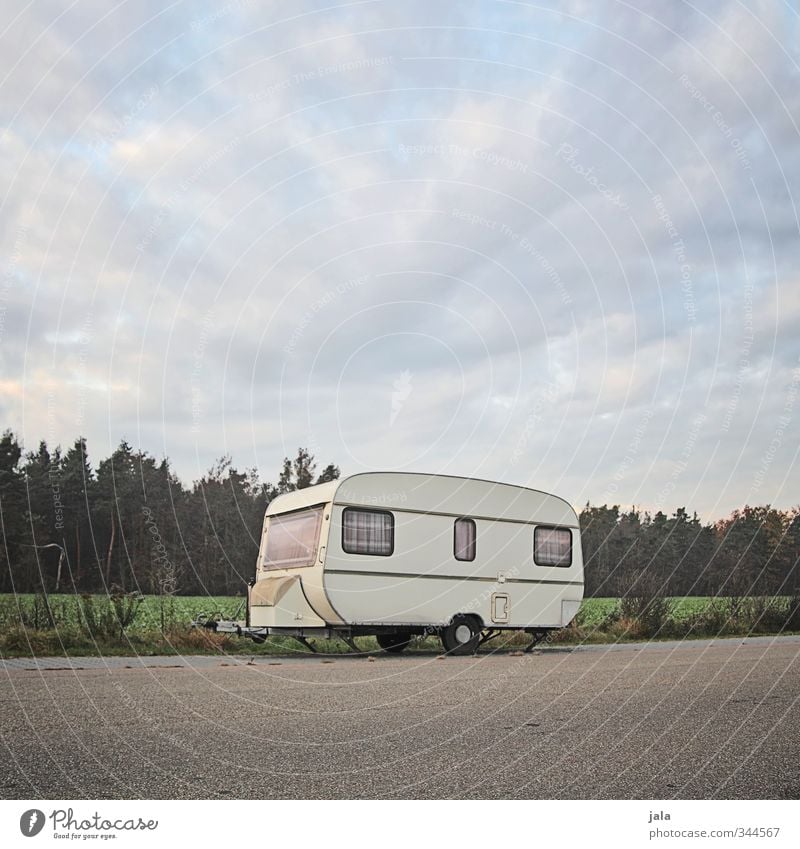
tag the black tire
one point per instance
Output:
(393, 643)
(457, 640)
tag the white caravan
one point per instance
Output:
(396, 554)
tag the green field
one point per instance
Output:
(594, 610)
(181, 610)
(161, 625)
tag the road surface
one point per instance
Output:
(685, 720)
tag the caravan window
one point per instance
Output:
(368, 532)
(552, 546)
(464, 539)
(292, 539)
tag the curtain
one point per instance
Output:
(368, 532)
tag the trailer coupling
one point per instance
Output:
(259, 634)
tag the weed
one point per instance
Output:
(109, 616)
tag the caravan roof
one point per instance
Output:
(432, 493)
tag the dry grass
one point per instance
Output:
(41, 626)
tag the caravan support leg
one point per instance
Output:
(349, 642)
(538, 636)
(306, 643)
(488, 635)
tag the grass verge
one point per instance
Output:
(125, 625)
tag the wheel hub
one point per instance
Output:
(463, 634)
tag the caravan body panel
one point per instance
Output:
(422, 581)
(418, 580)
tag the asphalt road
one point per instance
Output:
(691, 720)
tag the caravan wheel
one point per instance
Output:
(462, 635)
(393, 643)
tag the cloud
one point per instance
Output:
(227, 230)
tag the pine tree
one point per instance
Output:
(12, 501)
(77, 482)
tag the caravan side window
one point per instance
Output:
(367, 532)
(464, 539)
(552, 546)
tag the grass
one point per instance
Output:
(179, 611)
(98, 626)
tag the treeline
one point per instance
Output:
(131, 524)
(755, 551)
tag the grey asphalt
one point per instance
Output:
(710, 719)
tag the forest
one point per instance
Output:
(130, 524)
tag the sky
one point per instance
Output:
(553, 244)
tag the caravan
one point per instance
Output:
(397, 554)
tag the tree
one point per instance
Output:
(329, 473)
(44, 515)
(135, 525)
(598, 525)
(230, 532)
(299, 473)
(77, 481)
(12, 500)
(116, 514)
(791, 555)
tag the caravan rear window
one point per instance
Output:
(292, 539)
(552, 546)
(368, 532)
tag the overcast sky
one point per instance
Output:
(551, 244)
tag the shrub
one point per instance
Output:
(767, 613)
(712, 621)
(109, 617)
(793, 613)
(653, 614)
